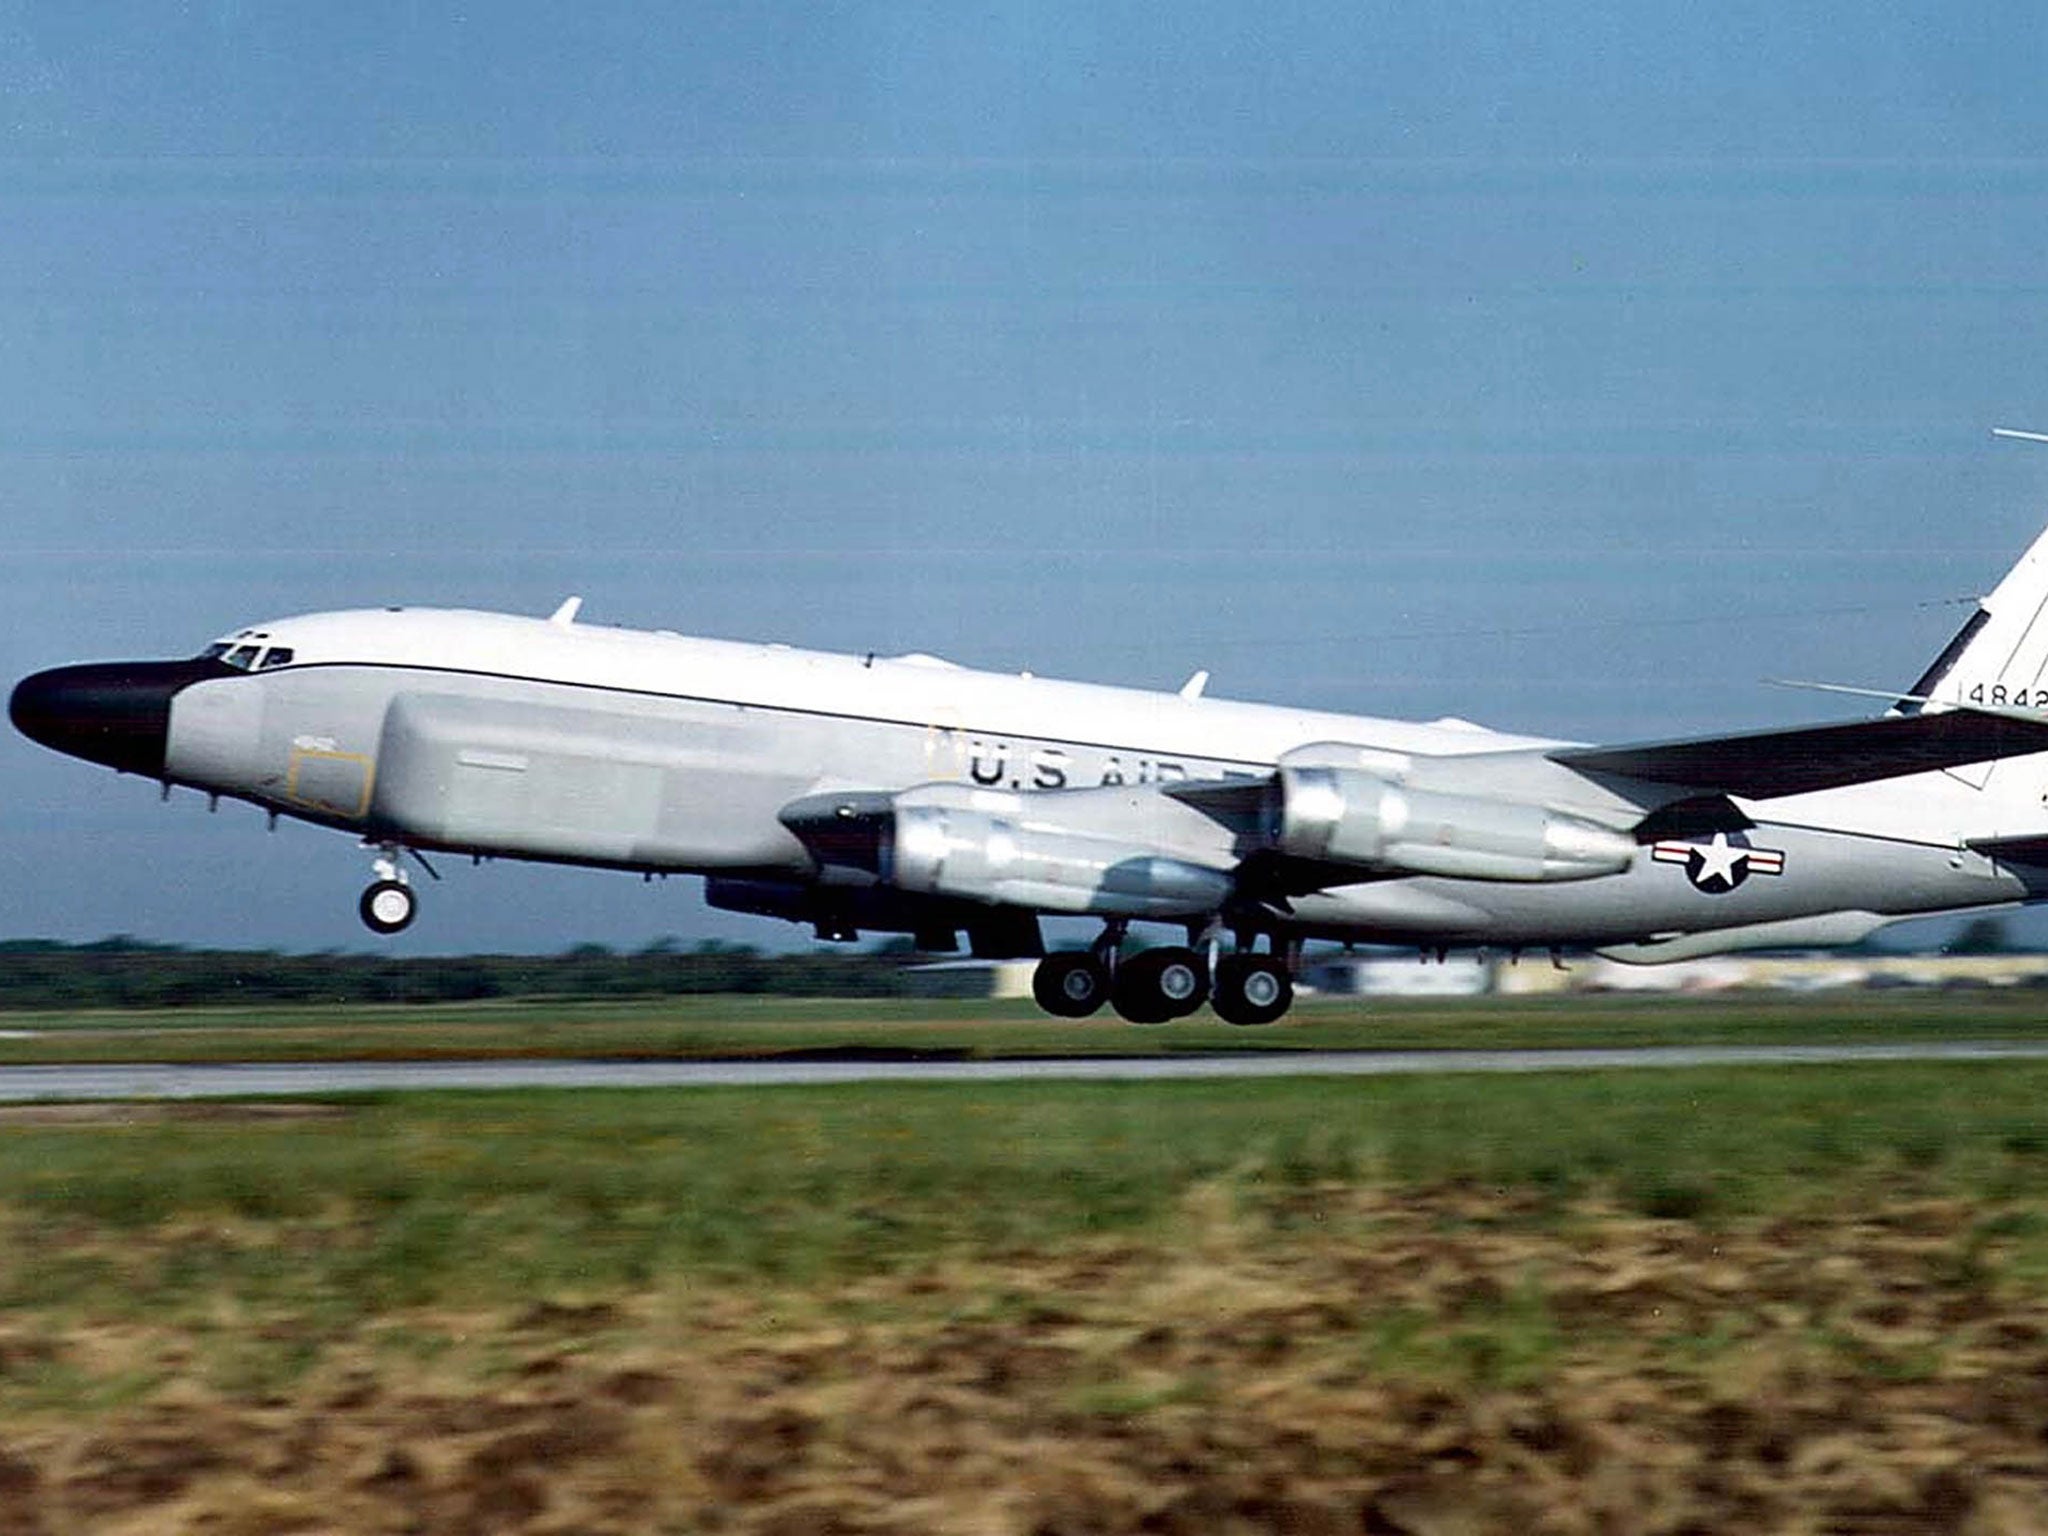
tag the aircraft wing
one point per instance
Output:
(1328, 815)
(2013, 850)
(1762, 765)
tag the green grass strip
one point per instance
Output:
(494, 1197)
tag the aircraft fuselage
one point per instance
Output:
(525, 738)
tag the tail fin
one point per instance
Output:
(2000, 657)
(1997, 658)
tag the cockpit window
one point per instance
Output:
(246, 653)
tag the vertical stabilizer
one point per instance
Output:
(2000, 657)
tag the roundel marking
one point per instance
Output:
(1719, 864)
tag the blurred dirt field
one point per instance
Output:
(1473, 1367)
(1746, 1300)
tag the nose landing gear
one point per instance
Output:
(389, 905)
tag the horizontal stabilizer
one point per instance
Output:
(1762, 765)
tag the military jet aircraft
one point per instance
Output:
(903, 794)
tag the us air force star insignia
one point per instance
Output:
(1719, 866)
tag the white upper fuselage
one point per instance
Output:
(913, 690)
(1137, 736)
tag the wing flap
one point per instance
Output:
(1762, 765)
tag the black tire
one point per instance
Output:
(1160, 984)
(1070, 986)
(1182, 977)
(388, 906)
(1252, 989)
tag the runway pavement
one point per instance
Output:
(20, 1085)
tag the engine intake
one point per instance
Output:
(1346, 816)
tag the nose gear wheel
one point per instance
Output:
(388, 906)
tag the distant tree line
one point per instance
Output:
(123, 972)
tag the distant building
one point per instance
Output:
(1822, 971)
(1399, 976)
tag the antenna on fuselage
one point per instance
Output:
(565, 615)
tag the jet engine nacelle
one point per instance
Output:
(981, 855)
(1345, 816)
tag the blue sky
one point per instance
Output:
(1566, 372)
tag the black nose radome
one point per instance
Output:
(117, 713)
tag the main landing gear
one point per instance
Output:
(1158, 985)
(1070, 986)
(1252, 989)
